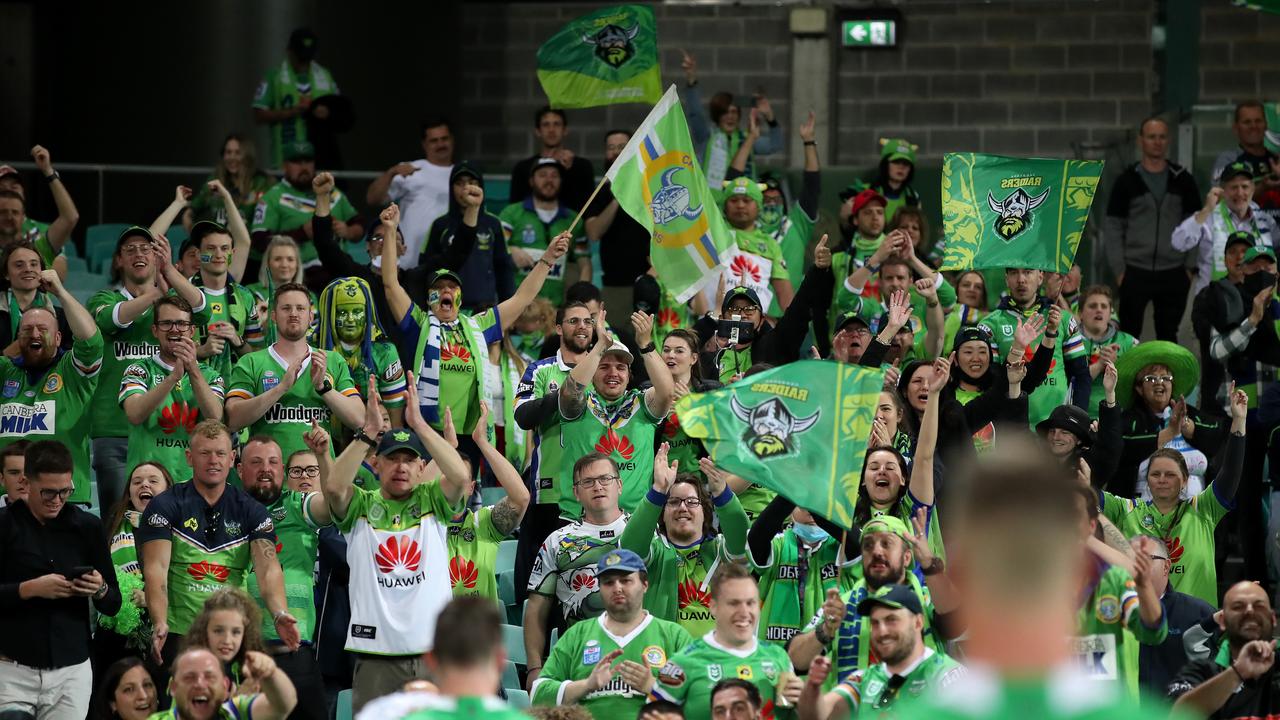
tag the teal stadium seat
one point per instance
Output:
(496, 193)
(517, 698)
(76, 264)
(343, 711)
(513, 639)
(507, 587)
(507, 555)
(100, 244)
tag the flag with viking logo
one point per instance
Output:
(607, 57)
(657, 181)
(1003, 212)
(800, 430)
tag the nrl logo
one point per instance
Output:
(771, 426)
(1014, 211)
(613, 44)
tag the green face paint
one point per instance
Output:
(770, 217)
(349, 322)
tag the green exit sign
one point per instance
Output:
(869, 33)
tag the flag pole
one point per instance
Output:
(587, 204)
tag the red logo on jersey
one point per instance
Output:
(610, 442)
(462, 570)
(1175, 549)
(691, 594)
(206, 570)
(766, 712)
(397, 553)
(1031, 352)
(668, 318)
(746, 270)
(671, 426)
(583, 581)
(453, 351)
(178, 415)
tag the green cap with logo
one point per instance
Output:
(299, 150)
(885, 524)
(744, 186)
(898, 149)
(896, 597)
(1234, 170)
(402, 439)
(1258, 251)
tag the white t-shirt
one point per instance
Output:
(423, 196)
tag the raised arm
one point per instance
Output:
(510, 510)
(573, 391)
(639, 532)
(171, 276)
(239, 231)
(181, 199)
(347, 408)
(733, 519)
(509, 310)
(60, 229)
(82, 325)
(454, 475)
(317, 441)
(338, 483)
(739, 164)
(659, 397)
(935, 332)
(1227, 482)
(397, 298)
(922, 463)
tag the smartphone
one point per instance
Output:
(736, 329)
(78, 572)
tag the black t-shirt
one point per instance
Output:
(624, 247)
(1255, 699)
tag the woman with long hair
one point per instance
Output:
(971, 304)
(281, 264)
(894, 174)
(680, 353)
(126, 692)
(229, 625)
(237, 170)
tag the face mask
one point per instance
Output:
(1258, 282)
(771, 216)
(809, 534)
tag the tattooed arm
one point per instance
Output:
(266, 566)
(508, 512)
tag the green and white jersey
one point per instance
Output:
(37, 233)
(399, 558)
(1093, 351)
(238, 707)
(1188, 531)
(1111, 627)
(52, 404)
(794, 583)
(429, 706)
(1002, 323)
(540, 379)
(124, 553)
(164, 435)
(473, 554)
(297, 545)
(871, 309)
(624, 430)
(757, 264)
(528, 229)
(237, 306)
(687, 679)
(565, 567)
(456, 353)
(284, 208)
(581, 648)
(282, 88)
(877, 689)
(124, 344)
(386, 368)
(679, 577)
(290, 417)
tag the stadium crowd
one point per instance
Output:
(327, 480)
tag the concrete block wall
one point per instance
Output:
(1238, 48)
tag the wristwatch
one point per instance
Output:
(361, 436)
(51, 177)
(648, 348)
(326, 387)
(935, 567)
(820, 634)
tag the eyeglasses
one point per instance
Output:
(305, 471)
(1153, 379)
(1159, 557)
(589, 322)
(689, 502)
(590, 482)
(745, 310)
(175, 324)
(857, 330)
(51, 494)
(135, 249)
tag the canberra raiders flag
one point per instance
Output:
(607, 57)
(1002, 212)
(800, 429)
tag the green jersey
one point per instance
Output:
(124, 554)
(52, 404)
(687, 679)
(208, 205)
(539, 380)
(1110, 628)
(1002, 323)
(235, 708)
(755, 499)
(237, 306)
(386, 368)
(681, 447)
(531, 230)
(473, 554)
(1123, 342)
(733, 364)
(757, 264)
(124, 344)
(428, 706)
(791, 232)
(290, 417)
(878, 689)
(565, 567)
(679, 576)
(961, 316)
(624, 430)
(282, 88)
(297, 545)
(284, 208)
(1187, 530)
(871, 309)
(581, 648)
(164, 435)
(452, 361)
(794, 581)
(37, 233)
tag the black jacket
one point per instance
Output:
(1140, 428)
(487, 272)
(1258, 698)
(1158, 664)
(1138, 229)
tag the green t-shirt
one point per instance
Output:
(473, 554)
(208, 205)
(237, 306)
(1092, 349)
(53, 405)
(1053, 392)
(124, 553)
(624, 430)
(1187, 530)
(734, 362)
(679, 577)
(284, 208)
(541, 378)
(164, 435)
(873, 688)
(237, 707)
(462, 362)
(581, 648)
(1063, 695)
(290, 417)
(281, 88)
(794, 581)
(1110, 628)
(526, 230)
(565, 567)
(297, 545)
(687, 679)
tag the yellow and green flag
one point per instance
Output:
(1003, 212)
(800, 430)
(605, 58)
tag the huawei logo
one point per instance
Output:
(744, 269)
(178, 415)
(610, 442)
(462, 570)
(691, 594)
(672, 426)
(398, 553)
(668, 318)
(1031, 352)
(1175, 549)
(452, 351)
(583, 581)
(205, 570)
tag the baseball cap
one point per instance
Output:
(743, 186)
(444, 274)
(303, 43)
(898, 597)
(852, 190)
(618, 348)
(1256, 252)
(849, 317)
(1239, 237)
(620, 560)
(6, 170)
(546, 162)
(135, 231)
(739, 292)
(866, 197)
(1235, 170)
(464, 167)
(885, 524)
(402, 439)
(897, 149)
(299, 150)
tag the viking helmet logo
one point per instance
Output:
(770, 426)
(672, 200)
(613, 44)
(1015, 211)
